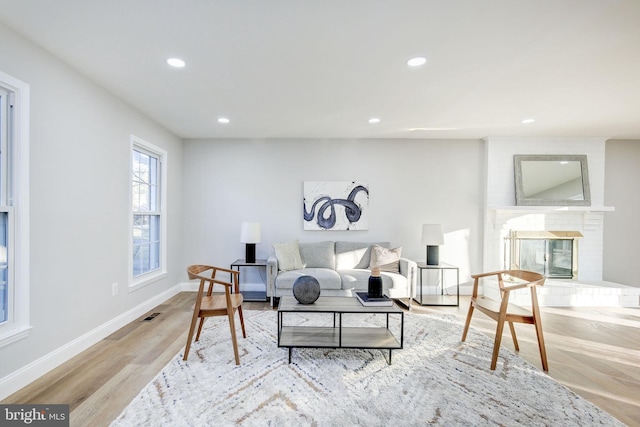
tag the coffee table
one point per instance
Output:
(340, 335)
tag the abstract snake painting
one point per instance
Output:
(322, 213)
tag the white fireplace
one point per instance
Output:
(587, 258)
(502, 216)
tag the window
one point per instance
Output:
(5, 284)
(14, 209)
(147, 209)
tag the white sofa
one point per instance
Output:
(340, 267)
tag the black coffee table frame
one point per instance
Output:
(339, 335)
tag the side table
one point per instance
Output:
(252, 295)
(439, 299)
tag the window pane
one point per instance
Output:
(560, 262)
(146, 243)
(533, 255)
(144, 183)
(2, 126)
(4, 268)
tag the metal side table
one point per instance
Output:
(251, 295)
(441, 298)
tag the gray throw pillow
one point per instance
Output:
(288, 254)
(318, 255)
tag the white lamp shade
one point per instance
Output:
(250, 232)
(432, 234)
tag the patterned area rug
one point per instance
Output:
(434, 380)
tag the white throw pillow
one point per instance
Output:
(386, 259)
(288, 254)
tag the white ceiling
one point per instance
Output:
(321, 69)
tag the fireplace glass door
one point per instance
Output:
(551, 257)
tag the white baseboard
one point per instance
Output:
(189, 286)
(34, 370)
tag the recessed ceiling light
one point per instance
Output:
(176, 62)
(527, 121)
(374, 120)
(417, 61)
(223, 120)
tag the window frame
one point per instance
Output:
(15, 201)
(140, 145)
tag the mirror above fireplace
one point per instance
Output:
(551, 180)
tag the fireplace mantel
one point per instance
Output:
(549, 209)
(498, 214)
(545, 234)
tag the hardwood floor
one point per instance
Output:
(593, 351)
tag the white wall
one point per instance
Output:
(622, 227)
(411, 182)
(79, 188)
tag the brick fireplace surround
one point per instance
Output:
(502, 216)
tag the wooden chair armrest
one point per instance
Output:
(493, 273)
(235, 287)
(477, 277)
(226, 270)
(219, 282)
(520, 286)
(195, 273)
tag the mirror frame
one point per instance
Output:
(523, 201)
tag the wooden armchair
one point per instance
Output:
(502, 311)
(215, 305)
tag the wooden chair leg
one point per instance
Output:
(244, 333)
(200, 328)
(513, 335)
(543, 351)
(232, 325)
(496, 343)
(538, 325)
(190, 337)
(467, 323)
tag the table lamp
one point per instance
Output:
(432, 237)
(250, 235)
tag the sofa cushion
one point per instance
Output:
(288, 254)
(328, 278)
(358, 279)
(318, 255)
(354, 254)
(386, 259)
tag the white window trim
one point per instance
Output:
(18, 325)
(136, 283)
